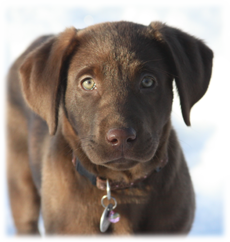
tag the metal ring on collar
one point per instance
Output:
(102, 201)
(108, 189)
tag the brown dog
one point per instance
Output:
(94, 104)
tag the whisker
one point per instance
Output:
(88, 137)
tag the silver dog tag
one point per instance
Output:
(104, 222)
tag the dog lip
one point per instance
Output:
(120, 164)
(120, 160)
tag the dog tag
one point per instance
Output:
(105, 222)
(108, 216)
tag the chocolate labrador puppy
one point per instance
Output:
(90, 140)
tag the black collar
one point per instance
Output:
(82, 171)
(101, 183)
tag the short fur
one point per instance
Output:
(51, 118)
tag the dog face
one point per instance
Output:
(116, 84)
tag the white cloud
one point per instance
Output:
(5, 216)
(211, 175)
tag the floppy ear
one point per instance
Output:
(42, 77)
(191, 62)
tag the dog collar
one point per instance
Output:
(100, 183)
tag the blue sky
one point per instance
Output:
(206, 143)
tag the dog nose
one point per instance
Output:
(122, 136)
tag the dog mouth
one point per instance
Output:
(120, 160)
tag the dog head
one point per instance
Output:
(114, 83)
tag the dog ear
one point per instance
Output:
(191, 62)
(41, 75)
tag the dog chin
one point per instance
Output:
(121, 162)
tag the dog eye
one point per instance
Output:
(88, 84)
(148, 82)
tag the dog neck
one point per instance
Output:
(100, 183)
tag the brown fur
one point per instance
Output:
(51, 117)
